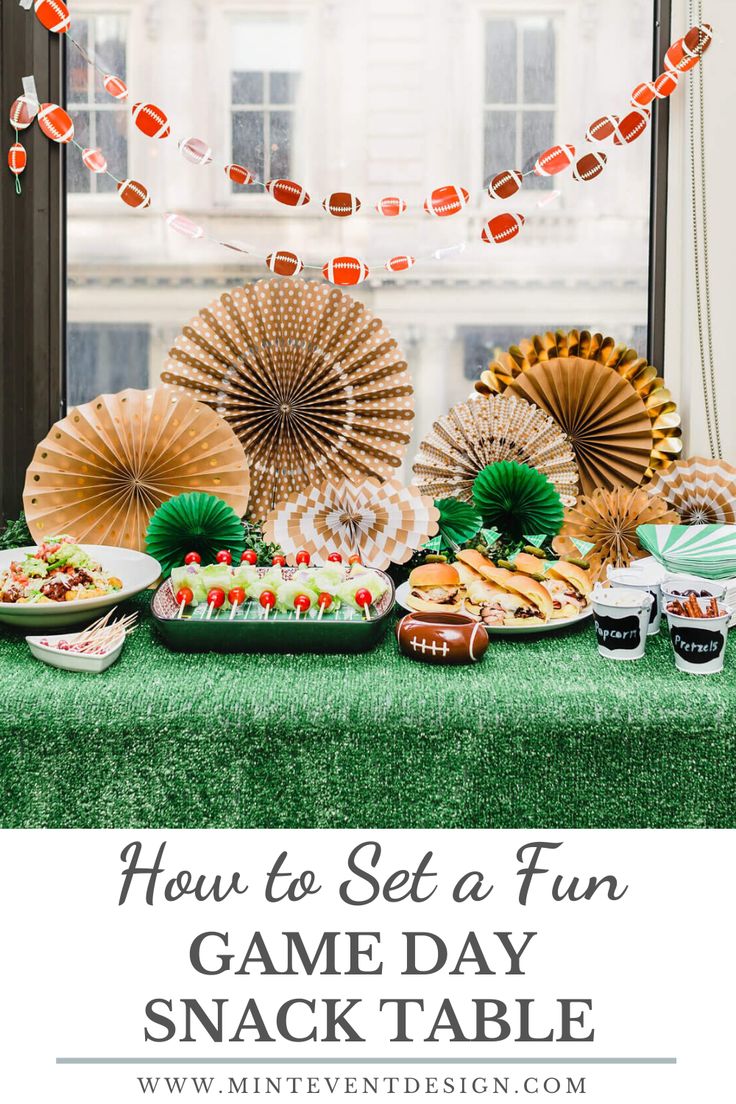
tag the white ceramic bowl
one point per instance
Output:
(136, 570)
(72, 661)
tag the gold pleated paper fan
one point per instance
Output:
(383, 522)
(702, 491)
(611, 441)
(102, 470)
(310, 381)
(474, 434)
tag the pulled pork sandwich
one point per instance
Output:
(435, 588)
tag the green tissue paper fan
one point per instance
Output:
(517, 499)
(459, 522)
(193, 522)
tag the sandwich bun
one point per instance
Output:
(530, 565)
(533, 591)
(571, 573)
(434, 575)
(420, 605)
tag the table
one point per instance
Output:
(541, 734)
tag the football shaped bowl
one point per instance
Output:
(441, 638)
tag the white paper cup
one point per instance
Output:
(699, 643)
(649, 578)
(621, 616)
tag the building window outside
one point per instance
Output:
(520, 94)
(99, 120)
(105, 357)
(265, 77)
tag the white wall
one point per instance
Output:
(682, 357)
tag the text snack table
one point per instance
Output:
(542, 733)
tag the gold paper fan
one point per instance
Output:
(701, 491)
(649, 386)
(474, 434)
(601, 413)
(101, 472)
(608, 519)
(384, 522)
(310, 381)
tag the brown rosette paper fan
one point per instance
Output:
(309, 380)
(607, 519)
(701, 491)
(474, 434)
(383, 522)
(101, 472)
(621, 419)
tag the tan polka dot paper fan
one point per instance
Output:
(383, 522)
(309, 380)
(477, 433)
(702, 491)
(604, 419)
(101, 472)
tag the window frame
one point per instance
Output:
(33, 245)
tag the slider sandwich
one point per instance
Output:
(435, 588)
(503, 597)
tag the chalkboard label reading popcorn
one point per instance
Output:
(621, 621)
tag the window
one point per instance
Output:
(106, 358)
(520, 94)
(99, 121)
(265, 73)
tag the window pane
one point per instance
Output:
(284, 87)
(248, 141)
(539, 62)
(247, 88)
(78, 75)
(499, 143)
(111, 135)
(78, 178)
(500, 61)
(110, 32)
(280, 143)
(537, 134)
(104, 357)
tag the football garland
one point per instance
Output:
(444, 201)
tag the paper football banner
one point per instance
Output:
(443, 201)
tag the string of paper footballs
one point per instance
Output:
(442, 202)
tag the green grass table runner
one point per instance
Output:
(543, 733)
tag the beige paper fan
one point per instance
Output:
(101, 472)
(608, 520)
(383, 522)
(626, 362)
(600, 412)
(310, 381)
(701, 491)
(476, 433)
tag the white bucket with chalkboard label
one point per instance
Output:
(649, 577)
(699, 643)
(621, 616)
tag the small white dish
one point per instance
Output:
(72, 661)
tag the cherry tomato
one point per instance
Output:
(278, 561)
(215, 597)
(355, 558)
(236, 596)
(334, 557)
(185, 596)
(303, 557)
(324, 600)
(302, 603)
(224, 557)
(250, 556)
(192, 557)
(267, 599)
(363, 597)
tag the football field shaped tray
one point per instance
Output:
(346, 630)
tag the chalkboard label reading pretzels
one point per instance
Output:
(618, 634)
(697, 645)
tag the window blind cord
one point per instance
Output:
(702, 286)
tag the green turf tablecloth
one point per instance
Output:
(543, 733)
